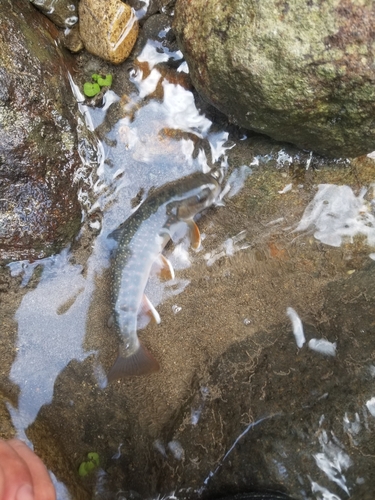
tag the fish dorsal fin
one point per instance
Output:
(116, 234)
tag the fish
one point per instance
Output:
(141, 239)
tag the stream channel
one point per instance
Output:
(267, 335)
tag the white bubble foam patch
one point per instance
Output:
(337, 213)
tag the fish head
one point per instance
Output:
(199, 198)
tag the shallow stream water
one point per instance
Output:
(266, 342)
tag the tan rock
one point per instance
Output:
(72, 39)
(108, 29)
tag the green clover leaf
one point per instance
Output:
(86, 467)
(105, 82)
(91, 89)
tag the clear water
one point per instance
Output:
(274, 223)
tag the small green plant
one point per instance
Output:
(91, 89)
(92, 463)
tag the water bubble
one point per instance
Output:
(176, 449)
(176, 309)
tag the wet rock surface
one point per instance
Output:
(64, 13)
(299, 72)
(38, 148)
(109, 32)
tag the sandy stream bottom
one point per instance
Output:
(228, 358)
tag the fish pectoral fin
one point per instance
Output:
(141, 362)
(165, 268)
(195, 235)
(149, 309)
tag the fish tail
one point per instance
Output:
(141, 362)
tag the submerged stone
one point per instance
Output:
(108, 31)
(298, 71)
(71, 39)
(39, 211)
(64, 13)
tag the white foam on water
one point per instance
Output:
(337, 214)
(195, 416)
(228, 248)
(147, 86)
(183, 68)
(282, 158)
(326, 494)
(181, 112)
(286, 189)
(49, 335)
(297, 327)
(237, 179)
(140, 13)
(323, 346)
(159, 446)
(333, 460)
(175, 447)
(155, 52)
(352, 427)
(370, 404)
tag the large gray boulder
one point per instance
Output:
(299, 71)
(39, 210)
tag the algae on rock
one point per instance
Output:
(300, 72)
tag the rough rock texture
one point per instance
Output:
(71, 39)
(109, 31)
(298, 71)
(63, 13)
(39, 211)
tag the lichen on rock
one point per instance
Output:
(297, 71)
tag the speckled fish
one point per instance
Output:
(141, 239)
